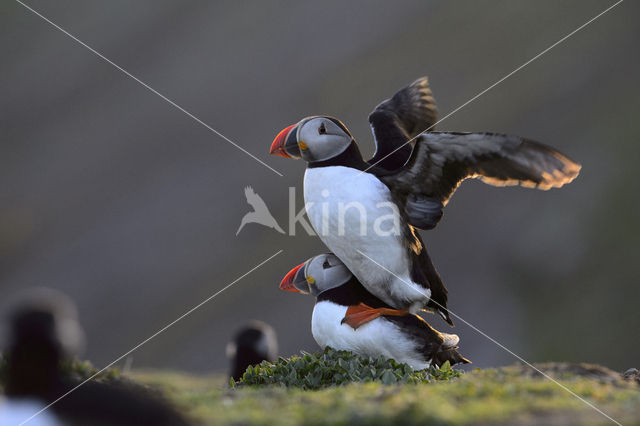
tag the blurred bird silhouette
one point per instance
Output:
(260, 213)
(44, 332)
(252, 344)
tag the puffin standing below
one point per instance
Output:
(44, 331)
(367, 212)
(252, 344)
(407, 338)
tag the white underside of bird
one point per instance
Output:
(15, 411)
(375, 338)
(354, 215)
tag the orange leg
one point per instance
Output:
(358, 315)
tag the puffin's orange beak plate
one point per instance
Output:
(277, 146)
(287, 282)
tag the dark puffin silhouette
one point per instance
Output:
(253, 343)
(44, 330)
(377, 329)
(405, 187)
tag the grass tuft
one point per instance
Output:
(333, 368)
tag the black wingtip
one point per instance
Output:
(452, 355)
(445, 316)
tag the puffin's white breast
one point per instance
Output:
(352, 211)
(376, 338)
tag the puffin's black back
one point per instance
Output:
(34, 370)
(351, 293)
(254, 343)
(33, 355)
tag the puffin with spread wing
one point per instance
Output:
(367, 212)
(341, 304)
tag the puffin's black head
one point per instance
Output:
(254, 343)
(43, 331)
(316, 275)
(314, 139)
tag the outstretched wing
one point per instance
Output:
(411, 111)
(441, 161)
(254, 200)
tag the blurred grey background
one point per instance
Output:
(113, 196)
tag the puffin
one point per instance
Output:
(44, 332)
(368, 213)
(393, 122)
(341, 298)
(253, 343)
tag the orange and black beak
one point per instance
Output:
(295, 280)
(286, 143)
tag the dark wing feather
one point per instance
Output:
(441, 161)
(450, 354)
(409, 112)
(439, 292)
(428, 340)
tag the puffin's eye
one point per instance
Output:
(322, 130)
(326, 264)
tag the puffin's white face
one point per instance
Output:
(316, 275)
(324, 272)
(320, 138)
(312, 139)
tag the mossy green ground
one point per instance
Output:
(506, 395)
